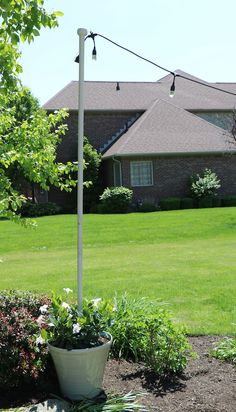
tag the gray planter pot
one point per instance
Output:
(80, 371)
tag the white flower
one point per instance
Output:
(43, 309)
(65, 305)
(51, 324)
(76, 328)
(40, 320)
(96, 302)
(39, 340)
(67, 290)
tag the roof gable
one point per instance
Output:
(167, 129)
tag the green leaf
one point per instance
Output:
(58, 13)
(44, 334)
(15, 38)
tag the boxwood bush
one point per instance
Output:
(115, 200)
(227, 201)
(39, 209)
(187, 203)
(205, 202)
(216, 202)
(146, 207)
(170, 203)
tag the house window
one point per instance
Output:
(141, 173)
(117, 173)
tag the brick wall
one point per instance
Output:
(98, 127)
(171, 175)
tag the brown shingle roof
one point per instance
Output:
(104, 96)
(167, 129)
(138, 96)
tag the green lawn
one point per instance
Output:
(183, 258)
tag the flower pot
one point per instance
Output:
(80, 371)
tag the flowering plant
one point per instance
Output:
(64, 326)
(205, 185)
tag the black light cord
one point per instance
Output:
(93, 35)
(206, 85)
(130, 51)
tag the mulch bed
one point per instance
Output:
(206, 385)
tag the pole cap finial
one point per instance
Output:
(82, 32)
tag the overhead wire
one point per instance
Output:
(93, 35)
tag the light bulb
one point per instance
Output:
(172, 93)
(94, 54)
(172, 88)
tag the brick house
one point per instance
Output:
(148, 141)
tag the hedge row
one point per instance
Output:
(175, 203)
(39, 209)
(116, 205)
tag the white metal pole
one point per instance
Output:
(81, 33)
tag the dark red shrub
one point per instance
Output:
(21, 360)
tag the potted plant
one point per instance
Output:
(78, 343)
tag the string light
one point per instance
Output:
(94, 53)
(172, 88)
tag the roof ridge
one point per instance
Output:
(115, 81)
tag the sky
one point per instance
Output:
(196, 36)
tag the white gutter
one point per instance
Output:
(166, 154)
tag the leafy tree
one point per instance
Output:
(21, 20)
(24, 103)
(27, 143)
(91, 175)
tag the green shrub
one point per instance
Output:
(216, 202)
(205, 202)
(141, 331)
(116, 200)
(144, 332)
(227, 201)
(204, 185)
(20, 360)
(146, 207)
(92, 174)
(39, 209)
(170, 203)
(186, 203)
(226, 350)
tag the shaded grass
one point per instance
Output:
(184, 258)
